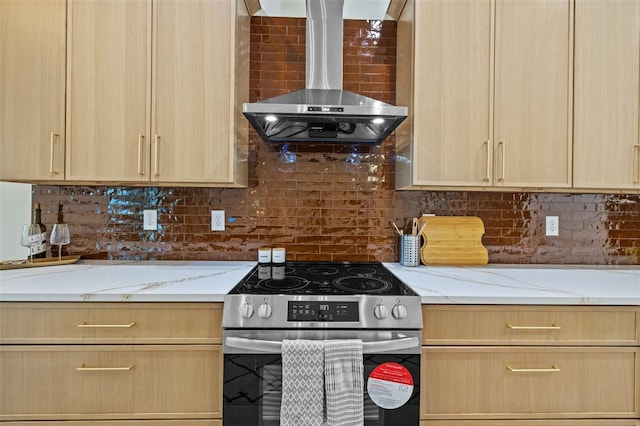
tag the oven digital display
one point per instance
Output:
(323, 311)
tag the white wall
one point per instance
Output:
(15, 211)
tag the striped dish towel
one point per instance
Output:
(344, 377)
(302, 383)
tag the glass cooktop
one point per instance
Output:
(322, 278)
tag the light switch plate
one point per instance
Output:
(150, 218)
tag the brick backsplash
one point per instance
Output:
(333, 202)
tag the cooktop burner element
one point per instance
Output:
(362, 285)
(283, 285)
(322, 270)
(362, 270)
(297, 278)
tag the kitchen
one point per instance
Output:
(334, 202)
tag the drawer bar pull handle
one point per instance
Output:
(83, 368)
(534, 327)
(85, 325)
(554, 368)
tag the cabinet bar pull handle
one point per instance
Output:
(83, 368)
(637, 181)
(85, 325)
(486, 176)
(534, 327)
(503, 151)
(554, 369)
(52, 156)
(155, 161)
(140, 145)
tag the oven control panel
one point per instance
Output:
(324, 311)
(358, 312)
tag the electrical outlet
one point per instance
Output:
(217, 220)
(553, 226)
(150, 218)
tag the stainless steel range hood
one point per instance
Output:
(324, 112)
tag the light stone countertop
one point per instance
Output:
(524, 284)
(101, 281)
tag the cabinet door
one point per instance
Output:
(532, 422)
(532, 116)
(529, 382)
(452, 133)
(56, 382)
(193, 106)
(32, 88)
(108, 99)
(607, 75)
(110, 323)
(195, 422)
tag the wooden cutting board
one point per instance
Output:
(453, 240)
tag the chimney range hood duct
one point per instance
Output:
(324, 112)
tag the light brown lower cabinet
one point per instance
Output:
(110, 364)
(529, 423)
(530, 366)
(120, 423)
(115, 381)
(508, 382)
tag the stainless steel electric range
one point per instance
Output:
(320, 301)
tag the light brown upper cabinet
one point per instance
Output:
(607, 95)
(489, 94)
(32, 90)
(194, 82)
(109, 71)
(153, 90)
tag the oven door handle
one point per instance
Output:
(256, 345)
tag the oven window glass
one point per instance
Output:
(253, 391)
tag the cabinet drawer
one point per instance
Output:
(607, 422)
(530, 325)
(120, 423)
(517, 382)
(84, 322)
(110, 382)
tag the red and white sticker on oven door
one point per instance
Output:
(390, 385)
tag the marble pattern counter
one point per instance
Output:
(524, 284)
(210, 281)
(123, 281)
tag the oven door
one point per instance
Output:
(253, 373)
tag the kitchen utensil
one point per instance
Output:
(453, 240)
(398, 231)
(410, 250)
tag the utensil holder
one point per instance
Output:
(410, 250)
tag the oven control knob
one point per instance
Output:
(399, 311)
(246, 310)
(265, 310)
(380, 311)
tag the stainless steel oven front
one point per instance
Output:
(327, 302)
(253, 374)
